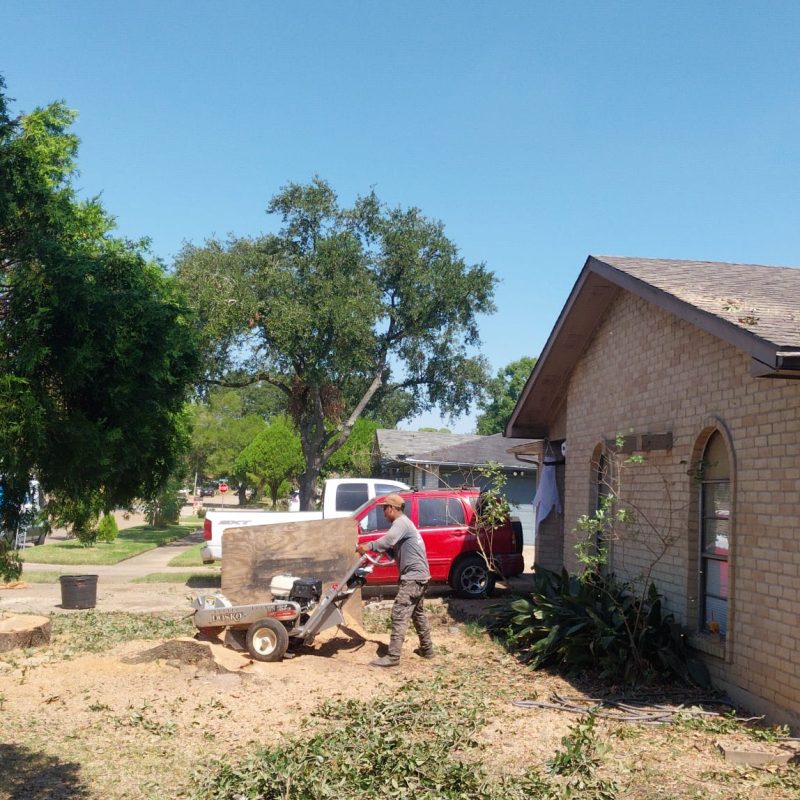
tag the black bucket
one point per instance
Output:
(78, 591)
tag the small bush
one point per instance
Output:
(10, 563)
(107, 529)
(165, 507)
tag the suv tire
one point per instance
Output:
(472, 578)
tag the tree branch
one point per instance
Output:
(340, 433)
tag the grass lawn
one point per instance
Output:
(196, 580)
(188, 558)
(130, 542)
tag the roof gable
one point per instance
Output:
(755, 308)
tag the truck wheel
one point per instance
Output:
(267, 640)
(472, 578)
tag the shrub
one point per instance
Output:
(165, 507)
(596, 622)
(10, 563)
(107, 528)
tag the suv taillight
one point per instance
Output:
(207, 530)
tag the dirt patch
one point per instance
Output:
(137, 720)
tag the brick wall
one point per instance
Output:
(649, 372)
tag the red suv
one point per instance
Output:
(455, 543)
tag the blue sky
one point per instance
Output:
(539, 132)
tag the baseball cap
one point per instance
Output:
(393, 500)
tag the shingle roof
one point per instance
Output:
(479, 452)
(449, 448)
(393, 444)
(763, 300)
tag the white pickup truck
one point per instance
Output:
(340, 498)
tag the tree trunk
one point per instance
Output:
(242, 494)
(308, 483)
(312, 440)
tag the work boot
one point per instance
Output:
(385, 661)
(424, 652)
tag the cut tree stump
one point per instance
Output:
(23, 631)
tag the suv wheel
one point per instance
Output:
(472, 578)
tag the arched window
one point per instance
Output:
(715, 528)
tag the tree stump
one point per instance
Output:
(23, 631)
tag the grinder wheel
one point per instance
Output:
(267, 640)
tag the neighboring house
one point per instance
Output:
(432, 460)
(696, 365)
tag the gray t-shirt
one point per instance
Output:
(404, 542)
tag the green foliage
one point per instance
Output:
(595, 622)
(97, 349)
(94, 631)
(165, 507)
(354, 457)
(79, 515)
(273, 457)
(223, 424)
(502, 394)
(10, 564)
(107, 529)
(493, 509)
(407, 747)
(339, 309)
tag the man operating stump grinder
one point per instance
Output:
(404, 543)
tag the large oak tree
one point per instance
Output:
(340, 309)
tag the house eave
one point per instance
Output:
(785, 365)
(597, 286)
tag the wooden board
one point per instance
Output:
(252, 556)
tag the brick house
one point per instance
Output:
(696, 365)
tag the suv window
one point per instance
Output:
(349, 496)
(375, 521)
(440, 512)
